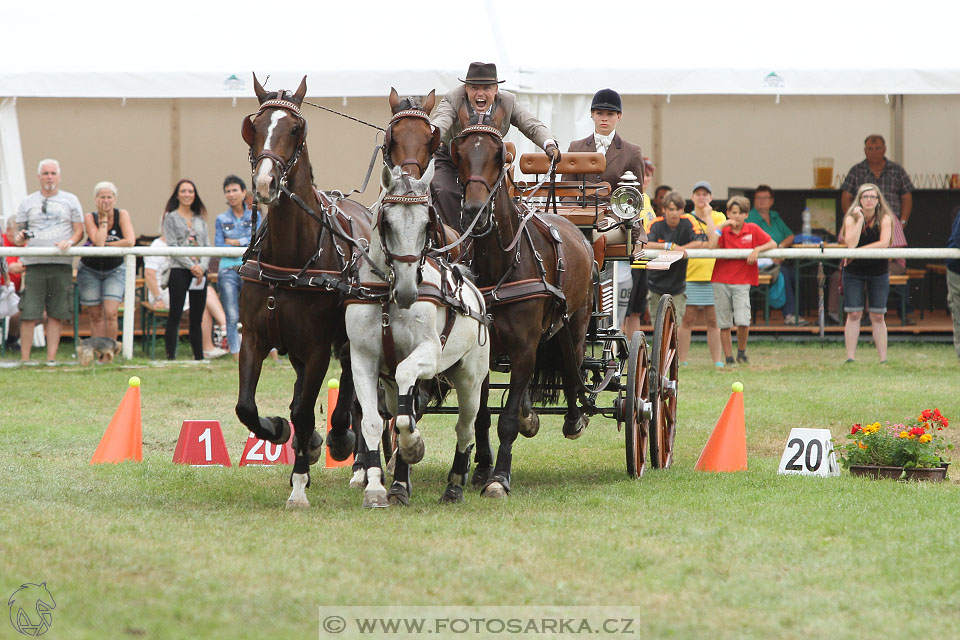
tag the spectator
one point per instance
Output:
(15, 274)
(896, 187)
(732, 278)
(479, 95)
(868, 224)
(156, 274)
(672, 232)
(101, 280)
(234, 228)
(184, 226)
(658, 195)
(770, 221)
(953, 282)
(47, 218)
(699, 272)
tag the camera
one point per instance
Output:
(28, 234)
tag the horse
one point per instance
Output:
(294, 274)
(536, 275)
(410, 139)
(427, 320)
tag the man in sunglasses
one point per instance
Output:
(47, 218)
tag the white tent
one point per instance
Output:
(554, 54)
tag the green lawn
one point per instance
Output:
(168, 551)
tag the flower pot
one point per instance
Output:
(875, 471)
(935, 474)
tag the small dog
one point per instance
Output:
(103, 349)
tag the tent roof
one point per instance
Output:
(114, 48)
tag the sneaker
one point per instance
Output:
(742, 357)
(51, 363)
(29, 363)
(220, 337)
(730, 360)
(794, 320)
(719, 365)
(215, 353)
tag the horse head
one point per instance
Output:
(410, 138)
(405, 224)
(276, 135)
(479, 155)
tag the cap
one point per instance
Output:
(607, 99)
(703, 184)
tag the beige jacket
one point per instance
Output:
(445, 117)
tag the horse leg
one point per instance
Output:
(341, 440)
(467, 384)
(498, 485)
(422, 363)
(275, 429)
(366, 378)
(400, 489)
(484, 455)
(304, 417)
(575, 421)
(528, 421)
(315, 448)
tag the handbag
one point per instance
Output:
(9, 300)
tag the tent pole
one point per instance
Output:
(896, 129)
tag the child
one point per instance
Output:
(699, 270)
(672, 232)
(732, 278)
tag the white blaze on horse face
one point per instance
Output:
(263, 177)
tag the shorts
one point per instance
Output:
(638, 293)
(46, 286)
(699, 294)
(679, 304)
(732, 304)
(876, 289)
(96, 286)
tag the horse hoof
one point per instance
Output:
(398, 494)
(529, 425)
(376, 499)
(358, 480)
(480, 476)
(298, 504)
(573, 430)
(414, 453)
(340, 445)
(315, 450)
(452, 495)
(283, 428)
(494, 490)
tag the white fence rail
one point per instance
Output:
(130, 254)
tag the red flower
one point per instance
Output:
(855, 428)
(917, 431)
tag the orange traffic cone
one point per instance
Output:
(333, 394)
(726, 449)
(123, 439)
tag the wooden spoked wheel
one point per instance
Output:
(664, 372)
(636, 411)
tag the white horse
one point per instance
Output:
(416, 321)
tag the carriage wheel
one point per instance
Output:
(637, 407)
(663, 385)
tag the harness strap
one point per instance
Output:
(273, 320)
(386, 338)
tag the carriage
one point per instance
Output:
(550, 318)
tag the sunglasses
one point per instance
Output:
(43, 209)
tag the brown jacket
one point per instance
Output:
(445, 117)
(622, 156)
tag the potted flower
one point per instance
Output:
(911, 451)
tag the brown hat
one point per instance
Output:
(481, 73)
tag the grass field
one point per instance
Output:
(160, 550)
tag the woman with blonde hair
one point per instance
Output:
(868, 224)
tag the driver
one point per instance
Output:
(481, 95)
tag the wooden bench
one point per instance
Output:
(151, 317)
(762, 290)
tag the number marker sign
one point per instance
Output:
(809, 452)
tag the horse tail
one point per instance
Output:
(547, 381)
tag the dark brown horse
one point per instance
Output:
(410, 139)
(293, 276)
(537, 280)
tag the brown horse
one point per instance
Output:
(410, 139)
(537, 281)
(294, 274)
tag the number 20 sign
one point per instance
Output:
(809, 452)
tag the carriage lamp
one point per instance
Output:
(626, 201)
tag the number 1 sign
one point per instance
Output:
(809, 452)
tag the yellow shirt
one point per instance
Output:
(701, 269)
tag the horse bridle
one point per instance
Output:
(247, 132)
(388, 138)
(432, 225)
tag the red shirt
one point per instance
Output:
(738, 271)
(14, 277)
